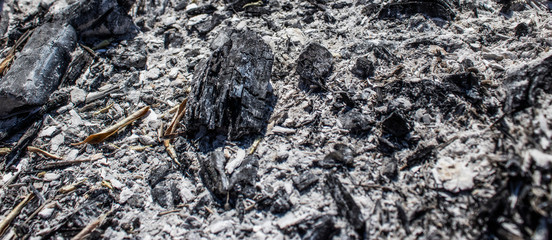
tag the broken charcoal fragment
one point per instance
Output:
(356, 122)
(341, 156)
(346, 205)
(281, 204)
(390, 169)
(100, 19)
(206, 26)
(430, 8)
(231, 90)
(158, 174)
(243, 5)
(204, 9)
(525, 84)
(363, 68)
(468, 83)
(522, 29)
(314, 65)
(38, 68)
(304, 180)
(213, 175)
(396, 125)
(323, 228)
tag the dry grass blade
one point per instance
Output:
(172, 128)
(177, 117)
(93, 225)
(13, 214)
(101, 136)
(4, 65)
(42, 152)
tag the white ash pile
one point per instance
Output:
(272, 119)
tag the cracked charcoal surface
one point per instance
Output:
(231, 93)
(38, 69)
(414, 119)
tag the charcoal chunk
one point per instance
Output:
(363, 68)
(430, 8)
(304, 180)
(341, 156)
(526, 83)
(206, 26)
(468, 84)
(396, 125)
(158, 174)
(38, 68)
(522, 29)
(356, 122)
(100, 19)
(204, 9)
(346, 205)
(213, 175)
(281, 203)
(231, 90)
(314, 65)
(323, 228)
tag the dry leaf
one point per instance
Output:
(101, 136)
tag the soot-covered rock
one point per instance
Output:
(231, 90)
(525, 84)
(346, 205)
(38, 68)
(431, 8)
(396, 125)
(363, 68)
(314, 65)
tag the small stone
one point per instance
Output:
(46, 213)
(78, 96)
(314, 65)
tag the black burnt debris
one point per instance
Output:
(270, 119)
(38, 69)
(314, 66)
(231, 91)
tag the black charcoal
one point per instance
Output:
(323, 228)
(304, 180)
(363, 68)
(341, 156)
(346, 205)
(204, 9)
(396, 125)
(213, 175)
(231, 93)
(281, 203)
(430, 8)
(314, 65)
(38, 68)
